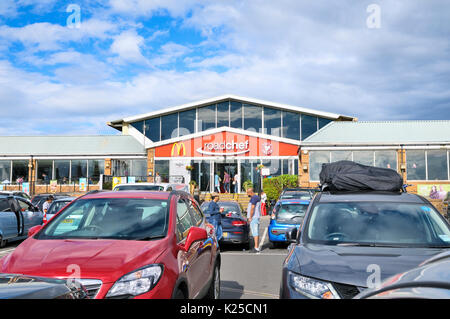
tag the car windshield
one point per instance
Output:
(139, 188)
(377, 223)
(114, 218)
(290, 213)
(296, 195)
(56, 206)
(228, 208)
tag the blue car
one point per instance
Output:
(287, 213)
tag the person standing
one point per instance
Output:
(226, 182)
(235, 183)
(47, 203)
(157, 178)
(263, 204)
(217, 183)
(253, 216)
(216, 217)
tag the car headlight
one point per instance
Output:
(312, 288)
(137, 282)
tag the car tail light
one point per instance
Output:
(238, 223)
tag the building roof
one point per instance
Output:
(117, 123)
(118, 145)
(381, 133)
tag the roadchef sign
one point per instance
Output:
(225, 148)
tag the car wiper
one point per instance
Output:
(151, 237)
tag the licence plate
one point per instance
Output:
(225, 235)
(67, 221)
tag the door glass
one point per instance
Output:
(184, 219)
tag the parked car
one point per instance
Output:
(126, 245)
(17, 216)
(39, 199)
(286, 214)
(16, 193)
(14, 286)
(167, 187)
(235, 229)
(298, 193)
(431, 280)
(57, 205)
(349, 238)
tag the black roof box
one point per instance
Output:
(351, 176)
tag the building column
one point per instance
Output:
(150, 165)
(303, 169)
(108, 167)
(401, 166)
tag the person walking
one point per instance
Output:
(226, 182)
(253, 216)
(215, 212)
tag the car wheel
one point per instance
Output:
(214, 288)
(179, 294)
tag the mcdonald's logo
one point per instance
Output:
(180, 149)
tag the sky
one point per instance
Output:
(69, 67)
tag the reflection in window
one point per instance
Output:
(187, 122)
(138, 126)
(5, 171)
(272, 121)
(162, 167)
(309, 125)
(363, 157)
(291, 125)
(236, 114)
(19, 170)
(437, 165)
(252, 118)
(223, 114)
(139, 168)
(341, 156)
(323, 122)
(274, 166)
(152, 129)
(386, 159)
(415, 165)
(169, 126)
(249, 173)
(79, 169)
(206, 117)
(316, 159)
(96, 168)
(62, 171)
(44, 171)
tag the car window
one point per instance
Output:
(184, 219)
(404, 224)
(23, 205)
(4, 205)
(196, 212)
(139, 187)
(116, 218)
(56, 207)
(290, 212)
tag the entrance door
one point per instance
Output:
(231, 168)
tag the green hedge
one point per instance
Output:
(273, 186)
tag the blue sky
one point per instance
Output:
(133, 56)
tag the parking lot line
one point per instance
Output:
(249, 292)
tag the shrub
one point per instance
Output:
(275, 185)
(247, 184)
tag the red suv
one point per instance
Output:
(135, 244)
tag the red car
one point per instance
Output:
(135, 244)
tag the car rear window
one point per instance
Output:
(139, 188)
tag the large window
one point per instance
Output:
(272, 121)
(415, 165)
(386, 159)
(79, 169)
(291, 125)
(96, 168)
(206, 117)
(5, 171)
(187, 122)
(363, 157)
(309, 125)
(341, 156)
(274, 166)
(316, 159)
(139, 168)
(20, 170)
(252, 118)
(44, 171)
(62, 171)
(152, 129)
(162, 168)
(249, 173)
(437, 165)
(236, 114)
(223, 114)
(138, 126)
(323, 122)
(169, 126)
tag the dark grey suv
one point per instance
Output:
(353, 241)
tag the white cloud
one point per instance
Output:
(127, 46)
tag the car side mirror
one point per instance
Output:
(34, 230)
(291, 235)
(194, 234)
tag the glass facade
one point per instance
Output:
(153, 129)
(386, 159)
(341, 156)
(437, 165)
(415, 165)
(323, 122)
(249, 173)
(162, 168)
(95, 169)
(78, 170)
(308, 125)
(139, 168)
(363, 157)
(272, 121)
(291, 125)
(187, 122)
(62, 171)
(44, 171)
(223, 116)
(138, 126)
(5, 171)
(316, 159)
(252, 118)
(236, 114)
(20, 170)
(206, 117)
(169, 126)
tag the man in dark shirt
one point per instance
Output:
(253, 216)
(216, 218)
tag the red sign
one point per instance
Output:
(226, 144)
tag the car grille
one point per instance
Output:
(92, 286)
(346, 291)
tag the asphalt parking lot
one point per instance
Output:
(244, 275)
